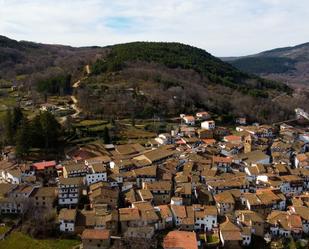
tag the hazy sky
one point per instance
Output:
(222, 27)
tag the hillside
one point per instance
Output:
(143, 80)
(288, 64)
(24, 61)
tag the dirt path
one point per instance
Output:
(75, 107)
(88, 69)
(76, 85)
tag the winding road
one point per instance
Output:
(74, 106)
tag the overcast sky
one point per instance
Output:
(222, 27)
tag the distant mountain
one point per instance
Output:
(288, 64)
(144, 79)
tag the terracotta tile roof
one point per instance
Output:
(146, 171)
(302, 211)
(205, 211)
(67, 214)
(224, 197)
(75, 167)
(189, 118)
(165, 211)
(232, 138)
(236, 182)
(180, 240)
(287, 221)
(128, 214)
(290, 178)
(184, 188)
(44, 164)
(209, 141)
(219, 159)
(229, 231)
(98, 168)
(127, 149)
(249, 215)
(71, 181)
(179, 211)
(158, 154)
(130, 196)
(252, 199)
(96, 234)
(158, 185)
(303, 157)
(145, 194)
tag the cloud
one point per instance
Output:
(222, 27)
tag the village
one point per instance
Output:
(198, 186)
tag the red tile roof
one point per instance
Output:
(101, 234)
(44, 164)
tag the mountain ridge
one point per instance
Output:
(287, 64)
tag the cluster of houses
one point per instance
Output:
(206, 184)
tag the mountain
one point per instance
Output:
(144, 79)
(288, 64)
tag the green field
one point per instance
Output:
(18, 240)
(4, 229)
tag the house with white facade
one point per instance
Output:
(67, 219)
(208, 125)
(189, 120)
(166, 217)
(205, 217)
(225, 203)
(96, 173)
(69, 190)
(291, 184)
(284, 224)
(202, 115)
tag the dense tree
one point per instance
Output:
(23, 137)
(8, 128)
(17, 117)
(58, 84)
(50, 130)
(106, 136)
(12, 121)
(43, 131)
